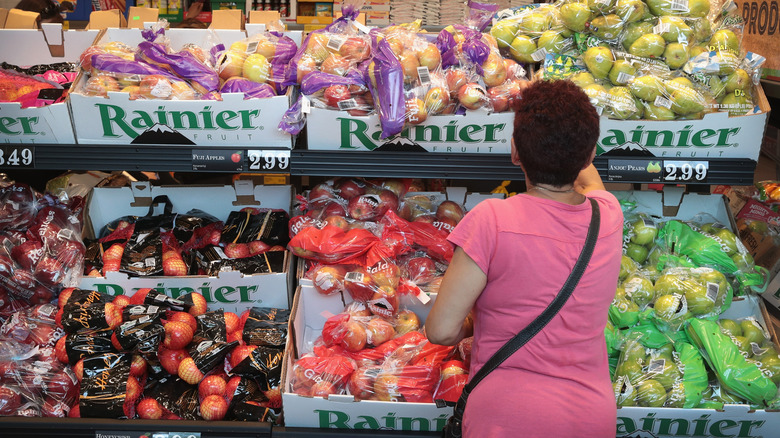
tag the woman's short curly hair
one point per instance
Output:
(556, 129)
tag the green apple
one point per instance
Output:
(670, 307)
(736, 105)
(534, 23)
(575, 16)
(677, 83)
(655, 112)
(504, 32)
(625, 393)
(728, 240)
(738, 80)
(622, 71)
(651, 394)
(631, 370)
(646, 87)
(623, 106)
(730, 327)
(698, 8)
(649, 45)
(712, 276)
(676, 55)
(727, 62)
(630, 11)
(675, 30)
(669, 284)
(582, 79)
(637, 252)
(634, 31)
(599, 61)
(606, 27)
(601, 7)
(687, 101)
(522, 48)
(552, 41)
(724, 39)
(699, 302)
(639, 289)
(665, 372)
(752, 331)
(634, 351)
(627, 266)
(643, 231)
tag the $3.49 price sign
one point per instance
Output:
(269, 161)
(686, 171)
(16, 156)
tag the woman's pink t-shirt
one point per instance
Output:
(558, 384)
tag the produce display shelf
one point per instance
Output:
(303, 162)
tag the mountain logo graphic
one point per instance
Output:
(654, 167)
(400, 144)
(161, 134)
(629, 149)
(639, 434)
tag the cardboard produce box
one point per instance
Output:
(733, 420)
(674, 203)
(228, 123)
(715, 136)
(760, 33)
(309, 312)
(476, 132)
(25, 47)
(231, 291)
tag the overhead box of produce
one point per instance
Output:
(199, 249)
(32, 106)
(183, 92)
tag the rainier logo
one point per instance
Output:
(639, 434)
(400, 144)
(161, 134)
(630, 149)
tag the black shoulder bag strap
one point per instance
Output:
(537, 324)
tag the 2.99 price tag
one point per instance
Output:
(16, 156)
(686, 171)
(269, 161)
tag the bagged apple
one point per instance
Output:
(528, 36)
(639, 233)
(263, 58)
(266, 326)
(684, 293)
(321, 376)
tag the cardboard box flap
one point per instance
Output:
(3, 16)
(105, 19)
(245, 193)
(672, 199)
(142, 193)
(19, 19)
(263, 17)
(137, 16)
(55, 39)
(227, 19)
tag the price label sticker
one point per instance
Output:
(270, 161)
(686, 171)
(17, 156)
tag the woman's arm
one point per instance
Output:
(462, 284)
(588, 179)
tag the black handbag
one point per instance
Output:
(454, 424)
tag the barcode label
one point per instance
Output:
(599, 109)
(305, 105)
(603, 2)
(624, 78)
(361, 27)
(355, 277)
(335, 42)
(424, 75)
(539, 54)
(679, 5)
(348, 104)
(663, 102)
(150, 262)
(251, 47)
(712, 291)
(648, 222)
(656, 366)
(661, 28)
(219, 252)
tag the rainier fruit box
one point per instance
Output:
(228, 123)
(26, 47)
(475, 132)
(715, 136)
(732, 421)
(674, 203)
(309, 312)
(231, 291)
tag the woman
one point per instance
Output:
(50, 11)
(511, 259)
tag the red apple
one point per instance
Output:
(171, 359)
(429, 57)
(450, 209)
(232, 385)
(213, 408)
(388, 200)
(323, 388)
(472, 96)
(239, 353)
(28, 253)
(455, 78)
(361, 382)
(453, 368)
(406, 321)
(328, 279)
(421, 270)
(335, 94)
(359, 284)
(365, 207)
(494, 70)
(335, 64)
(138, 366)
(334, 208)
(185, 318)
(379, 331)
(258, 247)
(338, 221)
(355, 49)
(230, 64)
(320, 196)
(384, 302)
(436, 99)
(499, 98)
(357, 309)
(177, 335)
(10, 401)
(409, 64)
(149, 409)
(416, 112)
(155, 87)
(213, 384)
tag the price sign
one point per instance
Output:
(269, 161)
(686, 171)
(17, 156)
